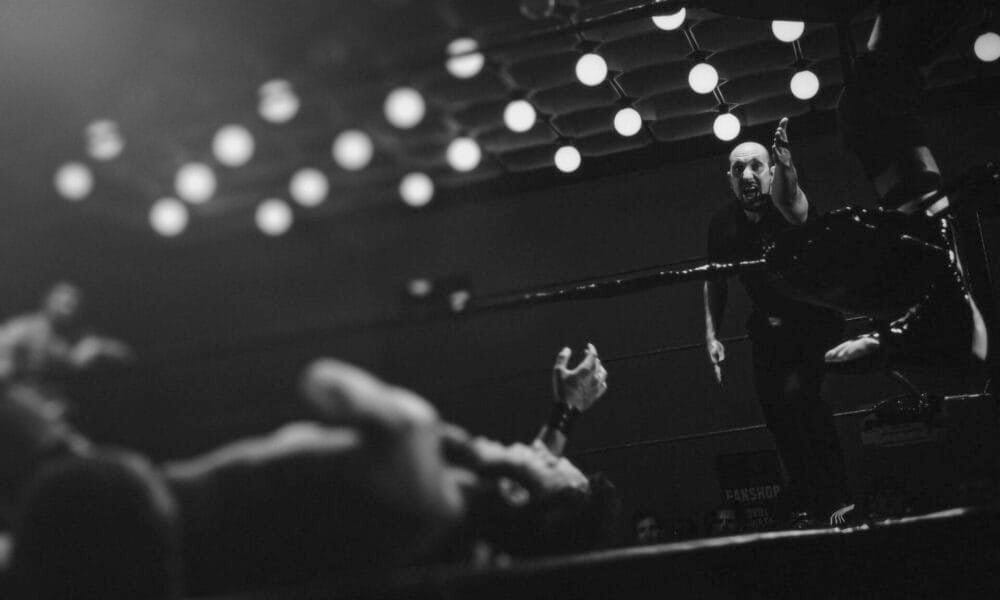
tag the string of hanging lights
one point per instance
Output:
(405, 108)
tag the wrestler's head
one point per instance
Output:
(63, 302)
(103, 526)
(750, 175)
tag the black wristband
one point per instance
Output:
(563, 416)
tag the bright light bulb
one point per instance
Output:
(168, 217)
(591, 69)
(309, 187)
(104, 140)
(74, 181)
(416, 189)
(353, 150)
(567, 159)
(273, 216)
(233, 145)
(464, 62)
(787, 31)
(987, 46)
(628, 122)
(519, 116)
(804, 85)
(458, 300)
(404, 107)
(703, 78)
(277, 101)
(420, 287)
(464, 154)
(672, 21)
(195, 182)
(726, 127)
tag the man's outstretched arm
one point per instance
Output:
(786, 194)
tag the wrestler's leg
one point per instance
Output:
(880, 105)
(945, 326)
(908, 35)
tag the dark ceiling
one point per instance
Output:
(171, 73)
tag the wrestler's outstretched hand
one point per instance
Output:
(582, 386)
(780, 147)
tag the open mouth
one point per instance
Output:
(750, 191)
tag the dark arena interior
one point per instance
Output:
(512, 299)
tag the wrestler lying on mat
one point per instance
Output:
(378, 480)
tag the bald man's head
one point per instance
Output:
(750, 175)
(750, 149)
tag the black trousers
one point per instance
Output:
(788, 376)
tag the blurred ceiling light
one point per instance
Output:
(419, 287)
(353, 149)
(273, 216)
(278, 102)
(987, 46)
(805, 85)
(726, 127)
(672, 21)
(458, 300)
(464, 154)
(591, 69)
(567, 159)
(628, 122)
(703, 78)
(787, 31)
(464, 62)
(519, 116)
(168, 217)
(233, 145)
(404, 107)
(74, 181)
(104, 140)
(309, 187)
(416, 189)
(195, 182)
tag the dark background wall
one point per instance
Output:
(225, 326)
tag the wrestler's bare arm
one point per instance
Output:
(580, 388)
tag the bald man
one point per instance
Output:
(788, 338)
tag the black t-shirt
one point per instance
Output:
(732, 236)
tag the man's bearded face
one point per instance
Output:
(750, 176)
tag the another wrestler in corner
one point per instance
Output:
(879, 113)
(788, 338)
